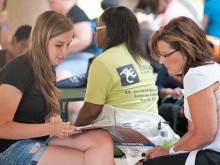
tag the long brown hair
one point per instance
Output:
(184, 35)
(48, 25)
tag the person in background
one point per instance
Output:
(169, 9)
(120, 70)
(17, 46)
(73, 70)
(4, 25)
(211, 19)
(187, 54)
(170, 103)
(81, 48)
(168, 85)
(32, 131)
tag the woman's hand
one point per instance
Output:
(61, 129)
(155, 152)
(177, 93)
(64, 129)
(152, 153)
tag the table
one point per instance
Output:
(67, 95)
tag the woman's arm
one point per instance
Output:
(203, 128)
(10, 98)
(88, 113)
(184, 139)
(100, 82)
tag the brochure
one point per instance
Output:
(123, 136)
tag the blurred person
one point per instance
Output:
(81, 49)
(169, 9)
(170, 103)
(187, 54)
(32, 131)
(168, 85)
(73, 70)
(175, 8)
(4, 25)
(211, 19)
(17, 46)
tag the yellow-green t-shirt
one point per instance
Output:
(116, 79)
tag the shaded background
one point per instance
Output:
(26, 11)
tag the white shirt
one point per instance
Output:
(196, 80)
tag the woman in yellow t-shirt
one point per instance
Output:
(121, 76)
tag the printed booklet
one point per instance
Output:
(123, 136)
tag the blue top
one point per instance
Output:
(212, 10)
(164, 80)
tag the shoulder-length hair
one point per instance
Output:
(122, 27)
(184, 35)
(48, 25)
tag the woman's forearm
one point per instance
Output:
(190, 142)
(88, 113)
(14, 130)
(84, 118)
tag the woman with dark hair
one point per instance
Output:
(121, 76)
(182, 47)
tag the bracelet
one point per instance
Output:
(172, 152)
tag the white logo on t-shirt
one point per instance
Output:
(128, 75)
